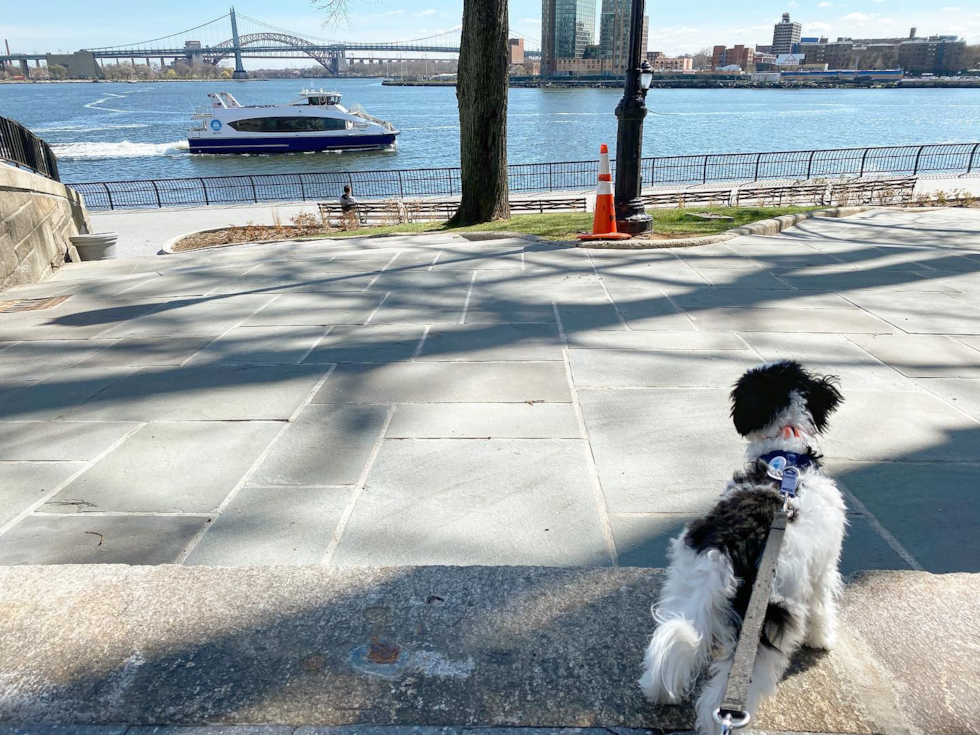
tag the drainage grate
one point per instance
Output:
(17, 305)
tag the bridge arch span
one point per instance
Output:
(322, 55)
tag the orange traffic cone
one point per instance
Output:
(604, 222)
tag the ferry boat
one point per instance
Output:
(314, 122)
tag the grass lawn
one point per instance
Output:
(566, 225)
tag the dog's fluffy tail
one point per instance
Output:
(693, 613)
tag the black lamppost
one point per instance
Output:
(630, 214)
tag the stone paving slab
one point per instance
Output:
(40, 359)
(61, 539)
(937, 527)
(658, 368)
(173, 467)
(922, 314)
(923, 356)
(381, 343)
(827, 321)
(206, 393)
(445, 382)
(832, 354)
(24, 484)
(963, 394)
(56, 397)
(484, 421)
(479, 646)
(51, 441)
(303, 309)
(272, 525)
(494, 343)
(500, 501)
(260, 346)
(895, 426)
(145, 352)
(638, 439)
(325, 445)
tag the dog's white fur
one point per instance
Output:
(693, 613)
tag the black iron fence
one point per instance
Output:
(534, 177)
(21, 147)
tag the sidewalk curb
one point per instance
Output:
(771, 226)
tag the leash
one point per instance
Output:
(733, 713)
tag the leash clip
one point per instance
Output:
(728, 723)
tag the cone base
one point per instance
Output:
(606, 236)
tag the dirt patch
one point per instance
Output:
(303, 224)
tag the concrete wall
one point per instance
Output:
(37, 216)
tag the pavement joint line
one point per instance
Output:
(120, 514)
(233, 326)
(466, 303)
(857, 306)
(381, 272)
(750, 347)
(956, 296)
(253, 468)
(326, 331)
(957, 339)
(602, 509)
(338, 532)
(894, 369)
(87, 465)
(879, 528)
(685, 312)
(605, 290)
(376, 309)
(418, 347)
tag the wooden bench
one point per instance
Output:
(397, 211)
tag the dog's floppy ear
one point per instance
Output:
(764, 392)
(822, 399)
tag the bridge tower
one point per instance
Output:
(239, 72)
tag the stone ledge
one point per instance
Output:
(490, 646)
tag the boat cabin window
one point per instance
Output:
(323, 99)
(288, 124)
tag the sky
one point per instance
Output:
(675, 28)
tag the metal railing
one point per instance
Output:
(534, 177)
(21, 147)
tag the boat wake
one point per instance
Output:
(86, 128)
(89, 151)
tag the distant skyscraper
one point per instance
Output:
(567, 27)
(784, 34)
(614, 34)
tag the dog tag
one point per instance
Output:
(791, 478)
(776, 467)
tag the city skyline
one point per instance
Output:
(673, 30)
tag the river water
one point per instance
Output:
(122, 131)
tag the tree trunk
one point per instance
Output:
(481, 91)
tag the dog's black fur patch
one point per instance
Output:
(762, 394)
(738, 527)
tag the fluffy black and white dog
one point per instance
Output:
(780, 408)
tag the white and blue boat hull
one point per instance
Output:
(305, 144)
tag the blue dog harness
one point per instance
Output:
(785, 468)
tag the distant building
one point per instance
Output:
(579, 67)
(515, 50)
(738, 55)
(784, 34)
(933, 55)
(614, 34)
(660, 62)
(567, 27)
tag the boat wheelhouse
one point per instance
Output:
(314, 122)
